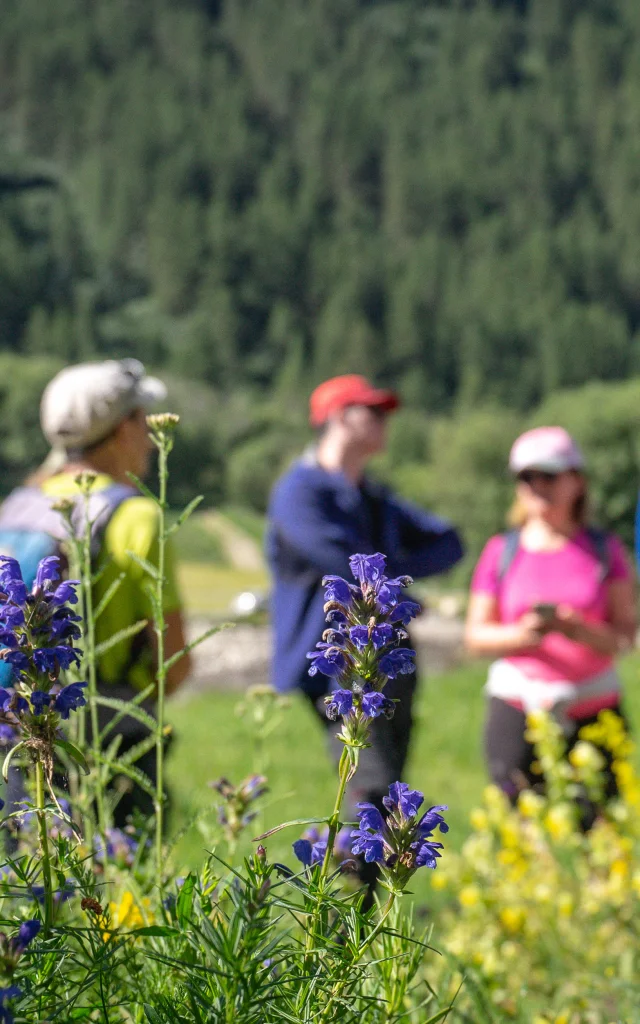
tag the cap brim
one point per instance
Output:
(150, 391)
(548, 466)
(387, 401)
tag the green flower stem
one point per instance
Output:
(44, 842)
(164, 446)
(338, 988)
(91, 663)
(345, 771)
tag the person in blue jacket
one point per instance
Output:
(323, 510)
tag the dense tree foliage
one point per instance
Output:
(444, 194)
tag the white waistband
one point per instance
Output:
(506, 681)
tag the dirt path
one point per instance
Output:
(239, 657)
(241, 551)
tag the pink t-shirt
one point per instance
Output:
(571, 576)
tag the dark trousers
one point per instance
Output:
(510, 756)
(380, 764)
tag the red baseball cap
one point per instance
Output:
(351, 389)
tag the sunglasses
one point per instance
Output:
(530, 476)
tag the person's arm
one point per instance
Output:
(309, 520)
(609, 638)
(486, 635)
(428, 544)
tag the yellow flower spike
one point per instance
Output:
(565, 904)
(559, 821)
(439, 881)
(512, 918)
(562, 1018)
(530, 804)
(479, 819)
(585, 755)
(469, 896)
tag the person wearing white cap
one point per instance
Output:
(553, 602)
(93, 415)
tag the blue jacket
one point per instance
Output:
(317, 519)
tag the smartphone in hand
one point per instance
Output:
(545, 611)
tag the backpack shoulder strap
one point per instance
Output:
(508, 553)
(600, 541)
(102, 506)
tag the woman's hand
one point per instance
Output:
(567, 621)
(533, 629)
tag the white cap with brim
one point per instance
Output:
(549, 449)
(83, 404)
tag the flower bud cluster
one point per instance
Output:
(37, 634)
(402, 842)
(235, 814)
(362, 648)
(311, 848)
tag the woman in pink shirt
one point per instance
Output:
(553, 602)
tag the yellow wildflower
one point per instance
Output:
(469, 896)
(530, 804)
(479, 819)
(129, 914)
(512, 918)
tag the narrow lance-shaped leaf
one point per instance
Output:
(107, 597)
(194, 643)
(74, 753)
(144, 564)
(9, 758)
(184, 515)
(143, 488)
(126, 708)
(122, 634)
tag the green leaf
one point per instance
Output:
(155, 929)
(184, 515)
(440, 1016)
(126, 708)
(108, 595)
(74, 753)
(152, 1015)
(184, 902)
(8, 759)
(122, 634)
(118, 768)
(143, 487)
(170, 662)
(144, 564)
(289, 824)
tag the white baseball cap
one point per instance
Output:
(84, 403)
(550, 449)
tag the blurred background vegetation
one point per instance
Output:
(252, 195)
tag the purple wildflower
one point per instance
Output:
(388, 591)
(331, 661)
(7, 735)
(26, 934)
(40, 701)
(397, 662)
(11, 615)
(48, 571)
(70, 698)
(6, 994)
(11, 582)
(11, 701)
(402, 799)
(375, 704)
(401, 843)
(308, 852)
(338, 590)
(379, 636)
(368, 569)
(404, 611)
(65, 593)
(338, 703)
